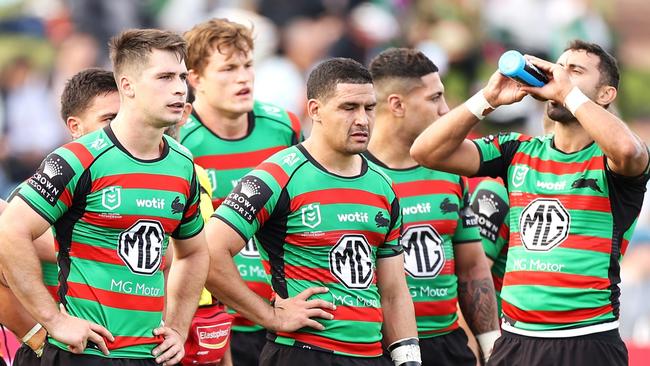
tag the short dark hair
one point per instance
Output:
(323, 79)
(133, 46)
(401, 63)
(608, 66)
(82, 88)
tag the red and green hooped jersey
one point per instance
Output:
(490, 204)
(270, 129)
(314, 228)
(436, 217)
(570, 222)
(112, 216)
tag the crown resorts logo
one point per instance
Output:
(53, 168)
(487, 206)
(250, 188)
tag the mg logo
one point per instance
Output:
(250, 250)
(351, 261)
(544, 224)
(111, 197)
(519, 175)
(140, 246)
(424, 254)
(311, 215)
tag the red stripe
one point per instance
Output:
(54, 291)
(498, 282)
(360, 314)
(569, 201)
(555, 279)
(216, 202)
(295, 124)
(443, 227)
(267, 266)
(276, 172)
(426, 187)
(453, 326)
(340, 196)
(241, 321)
(81, 152)
(329, 238)
(122, 342)
(573, 241)
(126, 221)
(436, 308)
(362, 349)
(96, 254)
(66, 197)
(553, 316)
(261, 288)
(237, 160)
(312, 274)
(143, 181)
(556, 167)
(116, 299)
(192, 210)
(262, 216)
(393, 235)
(624, 246)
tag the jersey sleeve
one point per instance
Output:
(192, 222)
(250, 203)
(49, 191)
(490, 203)
(496, 153)
(297, 136)
(467, 230)
(392, 245)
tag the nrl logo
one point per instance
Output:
(311, 215)
(519, 175)
(111, 197)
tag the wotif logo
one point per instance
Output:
(158, 203)
(551, 186)
(353, 217)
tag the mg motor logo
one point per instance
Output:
(424, 254)
(544, 224)
(213, 336)
(250, 249)
(351, 261)
(140, 246)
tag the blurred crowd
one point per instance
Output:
(45, 42)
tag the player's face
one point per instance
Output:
(583, 72)
(424, 104)
(161, 89)
(102, 109)
(226, 82)
(348, 116)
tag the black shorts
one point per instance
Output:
(449, 349)
(275, 354)
(55, 356)
(246, 347)
(26, 357)
(605, 348)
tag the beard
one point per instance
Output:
(559, 113)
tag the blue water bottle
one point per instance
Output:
(513, 65)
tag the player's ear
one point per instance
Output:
(126, 86)
(74, 126)
(606, 95)
(396, 105)
(313, 109)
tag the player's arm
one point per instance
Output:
(44, 244)
(19, 225)
(185, 282)
(476, 296)
(443, 145)
(626, 153)
(226, 284)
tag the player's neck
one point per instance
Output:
(141, 140)
(390, 147)
(335, 162)
(570, 137)
(225, 125)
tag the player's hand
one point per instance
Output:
(171, 350)
(501, 90)
(297, 312)
(558, 86)
(76, 332)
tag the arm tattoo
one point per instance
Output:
(478, 304)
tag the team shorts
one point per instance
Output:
(598, 349)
